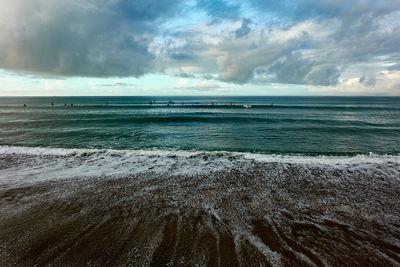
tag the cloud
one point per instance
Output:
(181, 56)
(184, 83)
(80, 38)
(329, 43)
(205, 86)
(185, 75)
(309, 52)
(295, 69)
(394, 67)
(122, 84)
(367, 81)
(244, 29)
(346, 10)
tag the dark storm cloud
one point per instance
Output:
(80, 38)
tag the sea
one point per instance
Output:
(200, 180)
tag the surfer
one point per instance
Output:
(52, 104)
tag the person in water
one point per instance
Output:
(52, 104)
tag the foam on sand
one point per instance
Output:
(155, 207)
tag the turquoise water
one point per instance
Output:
(313, 125)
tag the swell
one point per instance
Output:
(61, 120)
(209, 106)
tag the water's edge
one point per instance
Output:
(157, 207)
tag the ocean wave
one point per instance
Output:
(208, 106)
(24, 162)
(318, 158)
(201, 118)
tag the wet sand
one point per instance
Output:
(266, 214)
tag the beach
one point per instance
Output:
(98, 207)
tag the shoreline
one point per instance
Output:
(248, 212)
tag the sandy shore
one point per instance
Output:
(262, 214)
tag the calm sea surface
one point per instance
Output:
(320, 125)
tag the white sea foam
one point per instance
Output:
(323, 159)
(33, 164)
(258, 157)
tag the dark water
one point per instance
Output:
(337, 125)
(302, 182)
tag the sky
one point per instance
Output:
(199, 47)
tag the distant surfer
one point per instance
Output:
(52, 104)
(106, 102)
(24, 105)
